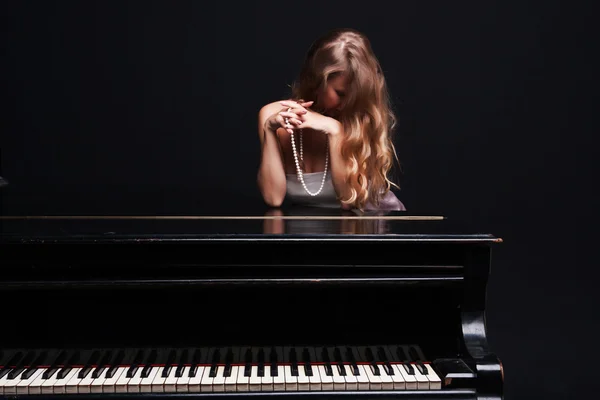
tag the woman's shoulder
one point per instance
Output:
(269, 109)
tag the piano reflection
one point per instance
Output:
(278, 305)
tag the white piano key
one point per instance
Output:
(315, 379)
(194, 383)
(231, 380)
(374, 380)
(303, 380)
(386, 381)
(326, 380)
(339, 383)
(291, 381)
(422, 381)
(255, 383)
(72, 385)
(267, 380)
(23, 386)
(96, 386)
(409, 380)
(146, 383)
(351, 381)
(362, 378)
(61, 384)
(279, 380)
(435, 381)
(170, 385)
(35, 387)
(9, 386)
(159, 381)
(219, 380)
(397, 379)
(110, 384)
(242, 380)
(134, 383)
(121, 383)
(206, 384)
(183, 381)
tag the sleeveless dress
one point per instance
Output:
(327, 198)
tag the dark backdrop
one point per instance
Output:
(122, 107)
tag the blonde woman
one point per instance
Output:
(330, 144)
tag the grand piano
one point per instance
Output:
(278, 304)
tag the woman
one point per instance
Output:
(330, 145)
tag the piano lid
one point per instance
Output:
(291, 223)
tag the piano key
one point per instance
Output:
(206, 383)
(231, 380)
(116, 362)
(362, 378)
(110, 384)
(35, 387)
(170, 385)
(422, 381)
(308, 357)
(398, 382)
(255, 381)
(409, 380)
(243, 381)
(134, 384)
(326, 380)
(183, 359)
(194, 383)
(374, 380)
(123, 381)
(267, 379)
(145, 385)
(23, 385)
(49, 382)
(183, 380)
(34, 367)
(260, 360)
(8, 385)
(72, 385)
(387, 383)
(350, 378)
(278, 374)
(169, 363)
(315, 378)
(12, 362)
(291, 380)
(20, 366)
(98, 382)
(303, 380)
(60, 386)
(434, 380)
(219, 380)
(158, 382)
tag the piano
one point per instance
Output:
(274, 305)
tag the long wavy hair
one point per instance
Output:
(366, 115)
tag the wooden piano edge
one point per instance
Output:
(316, 395)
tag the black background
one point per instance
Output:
(123, 107)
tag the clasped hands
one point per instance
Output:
(298, 115)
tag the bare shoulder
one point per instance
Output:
(267, 110)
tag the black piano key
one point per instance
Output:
(293, 356)
(55, 366)
(68, 365)
(414, 356)
(20, 367)
(326, 361)
(216, 358)
(148, 366)
(182, 361)
(139, 357)
(382, 356)
(102, 364)
(228, 362)
(261, 362)
(273, 361)
(87, 368)
(422, 369)
(39, 360)
(14, 360)
(248, 362)
(352, 360)
(306, 359)
(371, 359)
(115, 364)
(337, 355)
(169, 364)
(196, 359)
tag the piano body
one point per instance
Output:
(269, 306)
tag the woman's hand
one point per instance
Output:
(287, 120)
(302, 117)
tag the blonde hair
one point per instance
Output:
(367, 115)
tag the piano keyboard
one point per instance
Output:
(223, 369)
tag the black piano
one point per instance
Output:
(276, 305)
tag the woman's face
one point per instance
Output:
(331, 99)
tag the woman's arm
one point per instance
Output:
(271, 172)
(335, 133)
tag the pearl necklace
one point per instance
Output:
(299, 170)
